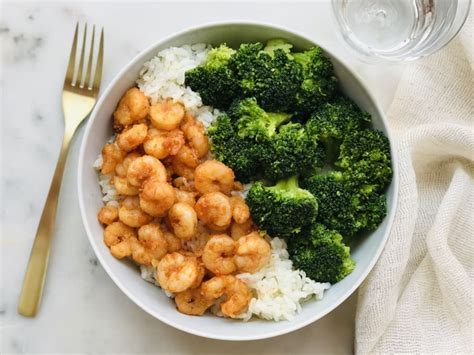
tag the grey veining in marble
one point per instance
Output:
(82, 310)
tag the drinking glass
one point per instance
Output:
(399, 30)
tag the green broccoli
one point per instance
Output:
(334, 120)
(269, 76)
(253, 121)
(346, 206)
(337, 209)
(319, 83)
(292, 151)
(237, 153)
(214, 80)
(282, 210)
(321, 254)
(365, 156)
(277, 43)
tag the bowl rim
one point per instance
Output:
(291, 326)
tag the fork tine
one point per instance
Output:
(81, 62)
(72, 58)
(89, 65)
(100, 60)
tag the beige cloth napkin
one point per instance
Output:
(419, 296)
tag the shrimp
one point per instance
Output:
(185, 197)
(183, 220)
(161, 144)
(108, 214)
(132, 108)
(183, 184)
(166, 115)
(218, 255)
(237, 294)
(253, 253)
(153, 240)
(212, 176)
(117, 237)
(131, 214)
(240, 210)
(143, 168)
(111, 156)
(132, 137)
(157, 197)
(174, 243)
(239, 230)
(122, 168)
(177, 272)
(192, 302)
(185, 162)
(195, 134)
(123, 187)
(214, 210)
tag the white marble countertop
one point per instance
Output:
(82, 309)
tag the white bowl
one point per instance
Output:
(150, 298)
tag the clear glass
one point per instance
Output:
(399, 30)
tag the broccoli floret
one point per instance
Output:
(346, 206)
(365, 156)
(334, 120)
(321, 254)
(283, 209)
(253, 121)
(272, 78)
(319, 83)
(214, 80)
(278, 43)
(237, 153)
(335, 197)
(292, 151)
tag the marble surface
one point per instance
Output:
(82, 309)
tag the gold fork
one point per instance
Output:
(78, 99)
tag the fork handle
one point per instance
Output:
(33, 281)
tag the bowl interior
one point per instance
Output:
(126, 275)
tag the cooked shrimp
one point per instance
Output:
(153, 240)
(117, 237)
(240, 210)
(195, 134)
(253, 253)
(183, 220)
(174, 243)
(218, 255)
(132, 137)
(213, 176)
(161, 144)
(185, 197)
(185, 161)
(192, 302)
(166, 115)
(213, 209)
(108, 214)
(174, 141)
(239, 230)
(111, 156)
(131, 214)
(122, 168)
(123, 187)
(145, 167)
(132, 108)
(237, 293)
(157, 197)
(177, 272)
(184, 184)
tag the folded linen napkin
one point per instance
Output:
(419, 296)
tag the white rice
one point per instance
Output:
(108, 190)
(163, 78)
(279, 289)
